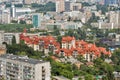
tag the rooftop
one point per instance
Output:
(21, 59)
(60, 78)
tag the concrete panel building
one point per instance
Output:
(14, 67)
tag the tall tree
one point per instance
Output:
(13, 40)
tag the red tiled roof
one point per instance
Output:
(81, 46)
(67, 39)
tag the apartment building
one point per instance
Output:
(1, 37)
(14, 67)
(60, 5)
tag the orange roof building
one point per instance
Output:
(72, 47)
(46, 43)
(69, 46)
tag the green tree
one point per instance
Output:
(103, 8)
(14, 27)
(13, 40)
(108, 69)
(81, 58)
(89, 77)
(50, 6)
(116, 57)
(59, 39)
(61, 69)
(22, 22)
(105, 78)
(93, 18)
(70, 32)
(14, 21)
(104, 68)
(21, 53)
(56, 31)
(23, 49)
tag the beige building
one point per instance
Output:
(6, 18)
(2, 49)
(114, 18)
(14, 67)
(27, 1)
(60, 5)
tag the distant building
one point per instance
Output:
(36, 19)
(7, 37)
(14, 67)
(1, 37)
(15, 1)
(111, 2)
(75, 6)
(2, 49)
(13, 11)
(67, 6)
(5, 17)
(114, 18)
(37, 1)
(4, 1)
(32, 1)
(27, 1)
(60, 5)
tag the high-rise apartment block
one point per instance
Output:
(13, 11)
(60, 5)
(67, 6)
(14, 67)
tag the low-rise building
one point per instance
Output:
(73, 47)
(7, 37)
(41, 43)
